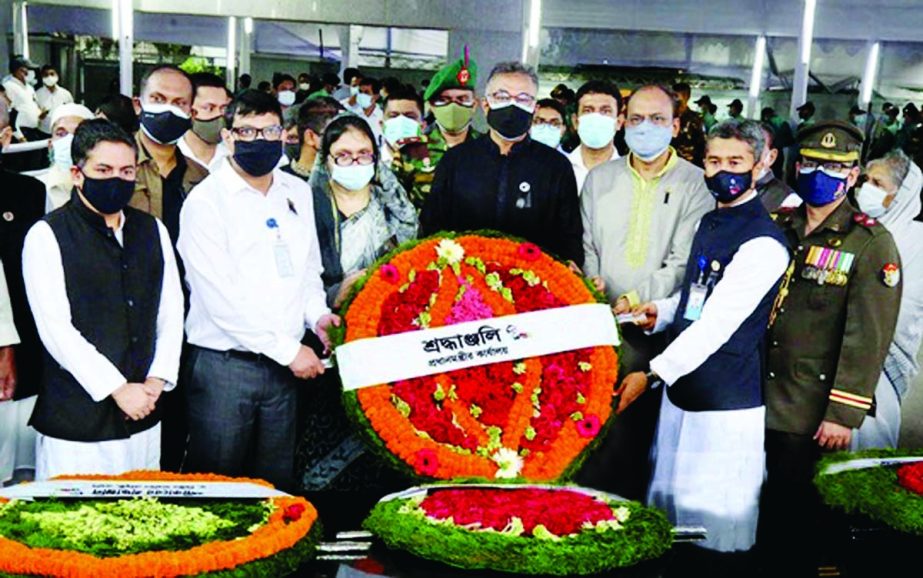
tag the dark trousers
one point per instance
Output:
(621, 463)
(242, 417)
(790, 514)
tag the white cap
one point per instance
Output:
(70, 109)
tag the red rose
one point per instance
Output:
(427, 464)
(293, 513)
(390, 273)
(528, 251)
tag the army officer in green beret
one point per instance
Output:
(834, 321)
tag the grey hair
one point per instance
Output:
(748, 131)
(896, 163)
(513, 67)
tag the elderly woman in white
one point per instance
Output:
(892, 195)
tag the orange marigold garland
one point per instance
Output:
(291, 525)
(533, 419)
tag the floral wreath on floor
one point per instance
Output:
(521, 421)
(892, 495)
(177, 537)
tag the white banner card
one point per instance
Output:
(378, 360)
(89, 489)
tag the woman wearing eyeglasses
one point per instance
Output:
(360, 208)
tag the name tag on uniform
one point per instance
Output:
(284, 265)
(697, 294)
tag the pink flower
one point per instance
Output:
(390, 273)
(426, 463)
(589, 426)
(528, 251)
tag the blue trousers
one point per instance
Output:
(242, 417)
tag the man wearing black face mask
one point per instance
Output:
(202, 143)
(165, 176)
(104, 289)
(505, 180)
(249, 244)
(711, 419)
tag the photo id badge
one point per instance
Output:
(697, 295)
(283, 260)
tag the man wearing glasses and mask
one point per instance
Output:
(253, 266)
(506, 181)
(830, 337)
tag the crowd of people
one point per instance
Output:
(170, 281)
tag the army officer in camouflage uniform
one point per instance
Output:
(834, 322)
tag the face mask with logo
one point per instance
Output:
(164, 123)
(546, 134)
(648, 140)
(259, 157)
(727, 187)
(208, 130)
(596, 130)
(108, 196)
(453, 117)
(61, 151)
(871, 200)
(400, 129)
(511, 121)
(353, 177)
(286, 97)
(50, 80)
(818, 187)
(364, 100)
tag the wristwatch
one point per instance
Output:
(653, 380)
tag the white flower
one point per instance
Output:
(509, 463)
(450, 251)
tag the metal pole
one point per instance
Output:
(756, 78)
(246, 46)
(126, 38)
(231, 53)
(803, 64)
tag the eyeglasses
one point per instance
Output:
(830, 166)
(502, 98)
(541, 121)
(249, 133)
(658, 119)
(466, 100)
(345, 159)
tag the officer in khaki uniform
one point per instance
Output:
(834, 321)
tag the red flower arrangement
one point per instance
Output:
(531, 419)
(910, 477)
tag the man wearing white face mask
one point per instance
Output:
(165, 175)
(405, 147)
(892, 195)
(365, 105)
(18, 86)
(598, 118)
(58, 181)
(50, 96)
(639, 217)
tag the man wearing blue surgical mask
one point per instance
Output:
(639, 217)
(164, 176)
(598, 118)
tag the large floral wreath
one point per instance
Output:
(532, 419)
(153, 537)
(528, 530)
(892, 495)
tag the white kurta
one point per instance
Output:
(17, 439)
(43, 272)
(709, 465)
